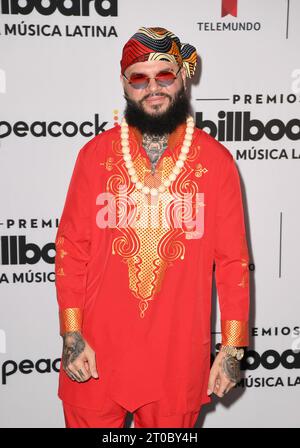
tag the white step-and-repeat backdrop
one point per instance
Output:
(59, 86)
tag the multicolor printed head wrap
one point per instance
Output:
(158, 44)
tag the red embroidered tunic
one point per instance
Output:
(141, 294)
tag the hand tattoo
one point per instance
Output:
(81, 374)
(155, 145)
(231, 368)
(72, 347)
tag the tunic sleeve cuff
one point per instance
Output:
(70, 319)
(235, 333)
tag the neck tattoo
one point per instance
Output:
(154, 145)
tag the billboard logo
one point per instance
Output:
(240, 126)
(104, 8)
(15, 250)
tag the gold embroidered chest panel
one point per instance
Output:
(151, 231)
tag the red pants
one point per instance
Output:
(147, 416)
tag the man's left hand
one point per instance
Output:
(224, 375)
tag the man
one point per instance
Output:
(151, 205)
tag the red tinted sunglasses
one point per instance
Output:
(141, 81)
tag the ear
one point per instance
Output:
(122, 80)
(183, 75)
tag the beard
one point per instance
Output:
(159, 123)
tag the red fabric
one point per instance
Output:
(114, 416)
(166, 354)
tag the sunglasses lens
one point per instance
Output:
(139, 81)
(165, 78)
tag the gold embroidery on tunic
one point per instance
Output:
(199, 170)
(147, 249)
(60, 271)
(108, 163)
(234, 333)
(70, 320)
(60, 253)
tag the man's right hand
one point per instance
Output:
(78, 359)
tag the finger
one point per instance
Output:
(211, 383)
(227, 389)
(221, 392)
(217, 385)
(223, 389)
(216, 391)
(71, 374)
(231, 386)
(74, 372)
(81, 374)
(81, 371)
(91, 359)
(68, 372)
(87, 367)
(84, 374)
(74, 376)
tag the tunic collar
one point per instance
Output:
(174, 139)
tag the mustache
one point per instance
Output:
(146, 97)
(155, 94)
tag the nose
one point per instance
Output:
(153, 86)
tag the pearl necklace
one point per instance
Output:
(190, 125)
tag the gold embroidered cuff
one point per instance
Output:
(235, 333)
(70, 319)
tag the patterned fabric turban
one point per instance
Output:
(158, 44)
